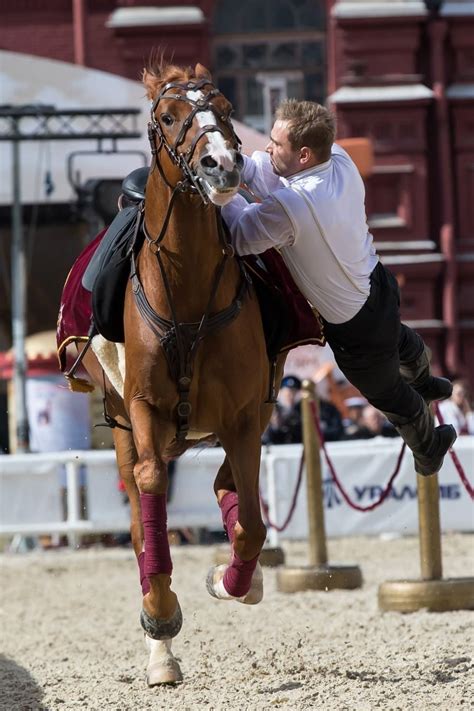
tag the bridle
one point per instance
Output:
(180, 341)
(183, 160)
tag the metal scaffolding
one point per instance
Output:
(46, 123)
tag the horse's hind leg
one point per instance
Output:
(237, 492)
(126, 456)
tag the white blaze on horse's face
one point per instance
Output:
(219, 181)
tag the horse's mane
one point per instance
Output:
(159, 72)
(164, 71)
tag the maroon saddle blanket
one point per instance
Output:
(288, 319)
(75, 310)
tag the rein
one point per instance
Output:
(180, 341)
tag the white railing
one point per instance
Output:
(42, 493)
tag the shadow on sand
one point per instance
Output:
(18, 689)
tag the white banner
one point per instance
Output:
(364, 468)
(30, 490)
(58, 418)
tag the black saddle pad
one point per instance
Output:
(274, 308)
(112, 240)
(110, 283)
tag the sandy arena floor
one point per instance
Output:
(71, 637)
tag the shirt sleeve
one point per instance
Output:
(257, 227)
(259, 176)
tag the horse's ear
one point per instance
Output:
(201, 72)
(150, 82)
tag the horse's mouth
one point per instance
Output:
(219, 196)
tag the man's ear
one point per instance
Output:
(306, 155)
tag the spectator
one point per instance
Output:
(285, 425)
(376, 423)
(458, 410)
(331, 421)
(353, 426)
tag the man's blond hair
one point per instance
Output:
(309, 124)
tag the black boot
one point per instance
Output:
(417, 374)
(428, 443)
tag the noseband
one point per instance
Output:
(182, 160)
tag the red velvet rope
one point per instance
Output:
(455, 458)
(291, 511)
(345, 495)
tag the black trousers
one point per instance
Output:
(371, 346)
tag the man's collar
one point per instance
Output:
(309, 171)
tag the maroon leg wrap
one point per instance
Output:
(143, 579)
(157, 547)
(238, 576)
(230, 510)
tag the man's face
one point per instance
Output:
(285, 159)
(459, 394)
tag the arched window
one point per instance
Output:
(260, 46)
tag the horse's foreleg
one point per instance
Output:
(237, 492)
(163, 667)
(161, 615)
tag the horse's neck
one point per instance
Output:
(191, 252)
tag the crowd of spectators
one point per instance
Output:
(360, 420)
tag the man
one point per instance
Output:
(285, 424)
(313, 211)
(376, 424)
(458, 409)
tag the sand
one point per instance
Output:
(71, 638)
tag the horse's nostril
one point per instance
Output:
(208, 162)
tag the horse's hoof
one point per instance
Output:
(215, 585)
(157, 628)
(163, 667)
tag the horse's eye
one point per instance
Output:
(167, 119)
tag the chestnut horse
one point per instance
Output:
(194, 361)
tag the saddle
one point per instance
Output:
(108, 271)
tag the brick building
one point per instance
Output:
(238, 40)
(402, 72)
(394, 70)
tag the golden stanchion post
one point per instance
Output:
(319, 575)
(431, 591)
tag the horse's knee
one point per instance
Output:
(151, 476)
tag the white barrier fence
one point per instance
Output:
(33, 486)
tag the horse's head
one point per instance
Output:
(190, 119)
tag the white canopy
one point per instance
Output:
(26, 79)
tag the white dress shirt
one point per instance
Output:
(316, 218)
